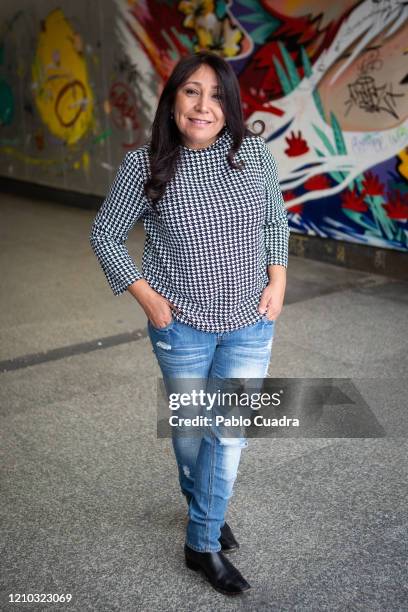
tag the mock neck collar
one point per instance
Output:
(221, 141)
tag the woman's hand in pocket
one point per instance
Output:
(271, 301)
(158, 309)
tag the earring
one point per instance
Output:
(171, 115)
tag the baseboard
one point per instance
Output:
(388, 262)
(45, 192)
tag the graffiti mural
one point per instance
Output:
(60, 83)
(328, 80)
(49, 124)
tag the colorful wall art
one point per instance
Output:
(79, 85)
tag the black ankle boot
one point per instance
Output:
(227, 539)
(220, 572)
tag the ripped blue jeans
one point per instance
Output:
(208, 462)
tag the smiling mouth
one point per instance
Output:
(199, 121)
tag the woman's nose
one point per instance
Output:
(202, 103)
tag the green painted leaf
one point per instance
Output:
(319, 105)
(358, 217)
(261, 34)
(221, 9)
(359, 182)
(338, 135)
(325, 140)
(290, 66)
(184, 39)
(337, 176)
(283, 79)
(253, 18)
(251, 4)
(307, 66)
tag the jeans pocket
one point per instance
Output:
(161, 329)
(266, 320)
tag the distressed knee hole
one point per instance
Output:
(163, 345)
(240, 442)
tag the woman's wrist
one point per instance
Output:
(276, 274)
(139, 289)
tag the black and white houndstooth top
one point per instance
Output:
(215, 231)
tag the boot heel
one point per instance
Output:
(191, 565)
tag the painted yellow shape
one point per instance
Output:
(63, 95)
(85, 160)
(28, 159)
(403, 166)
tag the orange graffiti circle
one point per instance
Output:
(62, 104)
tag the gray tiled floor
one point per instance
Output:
(90, 502)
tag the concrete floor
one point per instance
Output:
(90, 503)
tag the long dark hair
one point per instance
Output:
(165, 136)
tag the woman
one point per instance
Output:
(213, 273)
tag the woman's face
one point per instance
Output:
(197, 110)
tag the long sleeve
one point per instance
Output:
(276, 229)
(123, 206)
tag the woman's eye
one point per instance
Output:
(189, 91)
